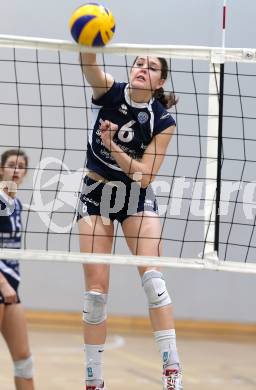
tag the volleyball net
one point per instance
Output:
(206, 187)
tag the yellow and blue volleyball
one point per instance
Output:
(92, 24)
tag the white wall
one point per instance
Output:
(197, 295)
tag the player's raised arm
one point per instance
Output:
(93, 25)
(100, 81)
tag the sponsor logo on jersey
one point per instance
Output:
(165, 115)
(143, 117)
(85, 199)
(123, 109)
(105, 153)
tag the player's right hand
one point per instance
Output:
(8, 293)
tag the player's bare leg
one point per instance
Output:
(95, 237)
(18, 345)
(143, 234)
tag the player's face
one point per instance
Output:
(14, 169)
(146, 74)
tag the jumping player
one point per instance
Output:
(127, 144)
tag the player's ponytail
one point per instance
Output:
(166, 99)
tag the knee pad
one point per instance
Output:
(155, 289)
(95, 307)
(24, 368)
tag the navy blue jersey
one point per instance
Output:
(137, 124)
(10, 232)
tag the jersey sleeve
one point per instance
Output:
(111, 97)
(163, 119)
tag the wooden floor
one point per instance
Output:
(132, 362)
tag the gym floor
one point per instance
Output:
(132, 361)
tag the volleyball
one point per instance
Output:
(92, 25)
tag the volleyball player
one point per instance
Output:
(127, 144)
(13, 168)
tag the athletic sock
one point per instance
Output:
(166, 341)
(93, 366)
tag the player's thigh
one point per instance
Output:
(96, 277)
(95, 234)
(143, 234)
(14, 330)
(96, 237)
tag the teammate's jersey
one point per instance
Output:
(137, 124)
(10, 232)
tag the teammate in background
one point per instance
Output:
(126, 148)
(13, 168)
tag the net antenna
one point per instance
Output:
(214, 147)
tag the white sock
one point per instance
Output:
(166, 341)
(93, 367)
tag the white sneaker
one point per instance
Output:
(172, 380)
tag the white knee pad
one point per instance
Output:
(95, 307)
(155, 289)
(24, 368)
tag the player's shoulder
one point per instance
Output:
(162, 117)
(112, 96)
(160, 111)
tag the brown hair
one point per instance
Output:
(166, 99)
(13, 152)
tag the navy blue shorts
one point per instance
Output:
(15, 285)
(114, 200)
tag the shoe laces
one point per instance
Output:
(172, 378)
(95, 387)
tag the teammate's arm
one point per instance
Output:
(100, 81)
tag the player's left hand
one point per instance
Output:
(108, 130)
